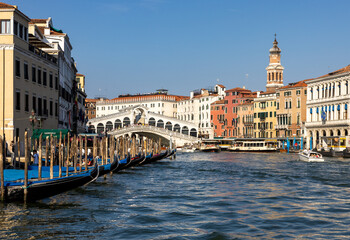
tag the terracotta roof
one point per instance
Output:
(150, 97)
(267, 92)
(295, 85)
(91, 100)
(220, 85)
(38, 20)
(79, 74)
(238, 90)
(4, 5)
(218, 102)
(339, 71)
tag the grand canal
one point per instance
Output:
(197, 196)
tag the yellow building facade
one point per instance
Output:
(28, 77)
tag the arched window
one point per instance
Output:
(176, 128)
(273, 77)
(280, 76)
(184, 130)
(100, 128)
(126, 122)
(169, 126)
(152, 121)
(269, 76)
(117, 124)
(160, 123)
(109, 126)
(193, 132)
(91, 129)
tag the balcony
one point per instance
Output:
(42, 54)
(281, 127)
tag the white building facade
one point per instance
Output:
(196, 109)
(61, 47)
(327, 103)
(162, 104)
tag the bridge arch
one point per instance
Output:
(193, 132)
(160, 123)
(100, 128)
(117, 124)
(177, 128)
(109, 126)
(126, 121)
(184, 130)
(169, 126)
(91, 129)
(152, 121)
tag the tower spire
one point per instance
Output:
(275, 69)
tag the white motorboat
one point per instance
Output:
(310, 156)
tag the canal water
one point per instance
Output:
(197, 196)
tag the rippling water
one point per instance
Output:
(197, 196)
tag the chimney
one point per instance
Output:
(191, 94)
(243, 87)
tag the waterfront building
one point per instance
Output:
(196, 108)
(265, 115)
(291, 110)
(61, 47)
(245, 124)
(80, 117)
(328, 97)
(233, 98)
(217, 118)
(90, 107)
(158, 102)
(29, 75)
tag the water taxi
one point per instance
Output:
(209, 146)
(310, 156)
(254, 145)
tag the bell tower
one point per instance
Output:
(275, 69)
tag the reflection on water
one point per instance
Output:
(197, 196)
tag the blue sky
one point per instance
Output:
(138, 46)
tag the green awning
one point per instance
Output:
(49, 132)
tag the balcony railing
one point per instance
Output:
(280, 126)
(42, 54)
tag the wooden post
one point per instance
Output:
(75, 153)
(86, 154)
(80, 153)
(47, 150)
(26, 161)
(2, 170)
(106, 149)
(60, 156)
(94, 149)
(68, 154)
(40, 156)
(18, 153)
(52, 156)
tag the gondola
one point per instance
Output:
(136, 160)
(39, 189)
(123, 163)
(146, 159)
(109, 167)
(157, 157)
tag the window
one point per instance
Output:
(56, 109)
(15, 28)
(287, 93)
(26, 102)
(33, 74)
(56, 83)
(5, 27)
(18, 68)
(34, 103)
(18, 100)
(20, 30)
(298, 103)
(25, 69)
(40, 106)
(51, 80)
(298, 92)
(44, 78)
(39, 76)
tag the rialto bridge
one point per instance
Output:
(138, 120)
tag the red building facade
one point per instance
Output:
(217, 118)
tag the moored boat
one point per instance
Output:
(46, 187)
(310, 156)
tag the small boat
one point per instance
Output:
(157, 157)
(209, 148)
(46, 187)
(310, 156)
